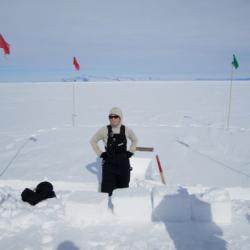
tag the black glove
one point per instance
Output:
(104, 155)
(129, 154)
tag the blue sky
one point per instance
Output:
(172, 39)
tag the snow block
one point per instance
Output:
(212, 206)
(86, 206)
(171, 204)
(140, 168)
(132, 204)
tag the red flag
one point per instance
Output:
(4, 45)
(76, 64)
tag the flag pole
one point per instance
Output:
(73, 104)
(77, 67)
(230, 98)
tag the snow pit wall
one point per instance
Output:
(85, 206)
(175, 204)
(132, 204)
(162, 204)
(156, 203)
(142, 169)
(213, 205)
(171, 204)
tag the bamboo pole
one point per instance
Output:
(230, 99)
(73, 105)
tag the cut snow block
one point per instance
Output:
(140, 167)
(171, 204)
(85, 205)
(132, 204)
(212, 206)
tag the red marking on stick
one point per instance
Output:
(160, 169)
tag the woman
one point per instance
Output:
(116, 167)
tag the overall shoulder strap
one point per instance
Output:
(122, 130)
(109, 130)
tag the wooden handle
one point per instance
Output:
(146, 149)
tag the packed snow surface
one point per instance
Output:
(205, 203)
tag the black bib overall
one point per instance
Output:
(116, 168)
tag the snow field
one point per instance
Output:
(206, 167)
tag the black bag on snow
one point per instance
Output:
(43, 191)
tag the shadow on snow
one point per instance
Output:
(191, 234)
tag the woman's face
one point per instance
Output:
(114, 120)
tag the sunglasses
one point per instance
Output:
(113, 116)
